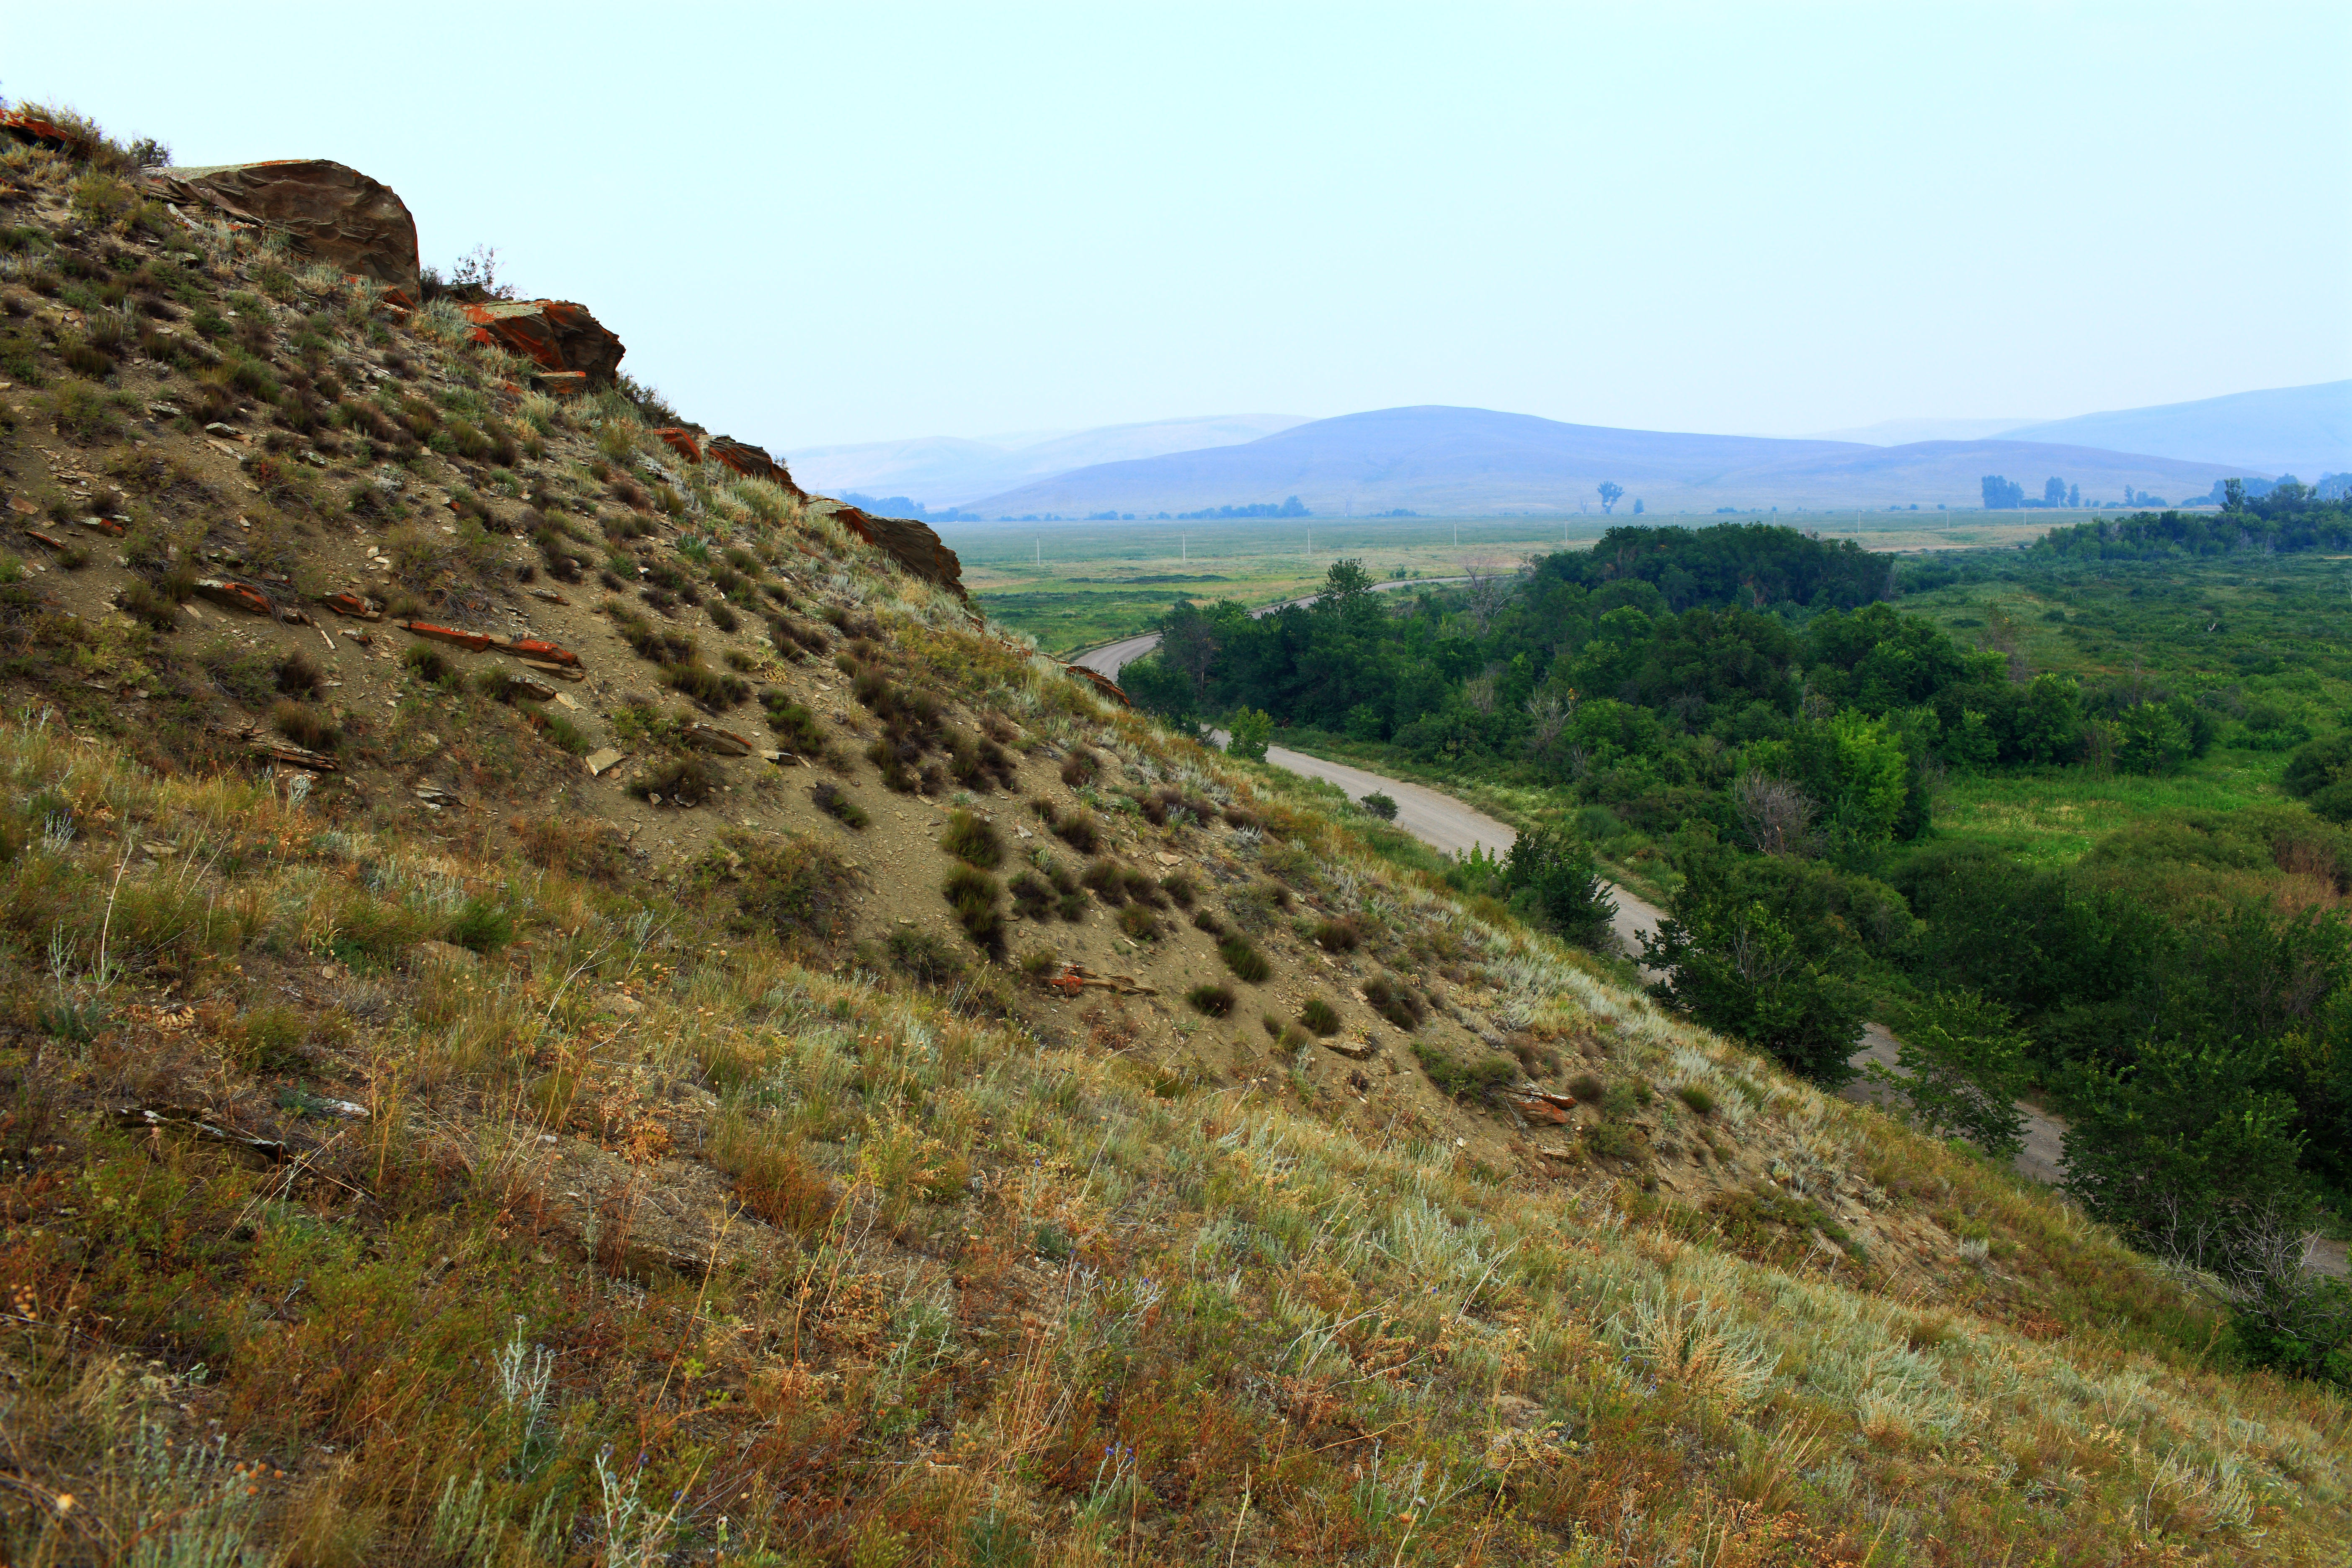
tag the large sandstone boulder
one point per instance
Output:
(753, 462)
(557, 334)
(911, 544)
(334, 212)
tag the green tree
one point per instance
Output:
(1610, 492)
(1752, 948)
(2185, 1137)
(1854, 765)
(2049, 723)
(1252, 728)
(1961, 1064)
(2156, 738)
(1188, 642)
(1552, 875)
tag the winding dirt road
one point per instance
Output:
(1451, 827)
(1448, 826)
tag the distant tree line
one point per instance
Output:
(2288, 518)
(902, 506)
(2003, 494)
(1289, 508)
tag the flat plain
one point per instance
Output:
(1074, 585)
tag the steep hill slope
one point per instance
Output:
(898, 1106)
(1466, 461)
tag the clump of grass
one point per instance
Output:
(1103, 877)
(1397, 1002)
(973, 839)
(1698, 1098)
(836, 803)
(681, 781)
(430, 665)
(1179, 887)
(1080, 768)
(794, 725)
(1587, 1086)
(157, 606)
(716, 689)
(306, 726)
(1217, 999)
(918, 955)
(975, 895)
(1464, 1079)
(1246, 961)
(1207, 920)
(977, 763)
(1139, 923)
(1319, 1016)
(481, 926)
(562, 733)
(791, 886)
(1041, 965)
(1339, 936)
(1081, 830)
(1032, 896)
(1139, 887)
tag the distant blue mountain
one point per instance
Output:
(2303, 430)
(1444, 461)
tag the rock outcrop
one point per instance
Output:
(911, 544)
(335, 213)
(557, 334)
(753, 462)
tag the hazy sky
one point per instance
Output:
(843, 223)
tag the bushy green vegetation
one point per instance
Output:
(1745, 715)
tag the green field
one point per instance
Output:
(2266, 639)
(1074, 585)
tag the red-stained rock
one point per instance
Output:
(1538, 1110)
(334, 212)
(236, 596)
(29, 128)
(351, 605)
(545, 652)
(556, 334)
(1100, 683)
(753, 462)
(681, 442)
(473, 642)
(911, 544)
(711, 738)
(561, 383)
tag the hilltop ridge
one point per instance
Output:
(563, 999)
(1473, 461)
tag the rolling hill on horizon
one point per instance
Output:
(1442, 461)
(949, 470)
(2303, 430)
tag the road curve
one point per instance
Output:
(1448, 826)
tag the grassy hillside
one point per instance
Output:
(989, 1131)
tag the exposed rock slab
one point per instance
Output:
(335, 213)
(558, 335)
